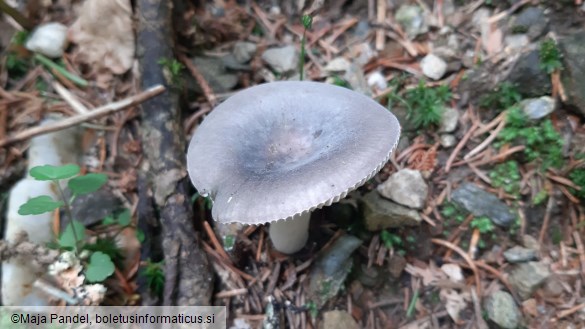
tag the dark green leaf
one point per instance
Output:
(108, 220)
(39, 205)
(74, 232)
(140, 235)
(124, 219)
(48, 172)
(99, 268)
(87, 184)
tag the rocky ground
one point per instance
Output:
(478, 219)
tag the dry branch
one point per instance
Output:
(75, 120)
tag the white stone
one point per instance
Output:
(412, 20)
(19, 274)
(449, 120)
(406, 187)
(538, 108)
(433, 66)
(447, 140)
(48, 39)
(377, 80)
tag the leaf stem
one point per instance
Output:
(69, 213)
(307, 21)
(16, 15)
(59, 70)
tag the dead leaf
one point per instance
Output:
(428, 275)
(105, 38)
(454, 303)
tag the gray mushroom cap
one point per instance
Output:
(280, 149)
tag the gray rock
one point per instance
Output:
(449, 120)
(529, 78)
(243, 51)
(380, 213)
(357, 80)
(338, 319)
(502, 310)
(338, 64)
(516, 41)
(330, 270)
(396, 265)
(369, 277)
(518, 254)
(406, 187)
(433, 66)
(282, 59)
(215, 73)
(527, 277)
(482, 203)
(528, 241)
(230, 62)
(412, 20)
(538, 108)
(553, 287)
(92, 208)
(480, 18)
(573, 74)
(531, 21)
(447, 140)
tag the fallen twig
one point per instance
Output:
(460, 146)
(207, 91)
(75, 120)
(487, 141)
(70, 98)
(547, 216)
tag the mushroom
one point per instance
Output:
(275, 152)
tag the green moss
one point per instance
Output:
(578, 177)
(426, 105)
(550, 56)
(507, 176)
(542, 142)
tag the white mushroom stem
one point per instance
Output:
(290, 236)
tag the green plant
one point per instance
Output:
(539, 197)
(452, 211)
(15, 64)
(172, 69)
(507, 176)
(390, 240)
(155, 276)
(426, 105)
(307, 22)
(99, 265)
(578, 177)
(338, 81)
(483, 224)
(550, 56)
(311, 306)
(60, 69)
(542, 142)
(206, 200)
(504, 96)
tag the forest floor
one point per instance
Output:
(489, 95)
